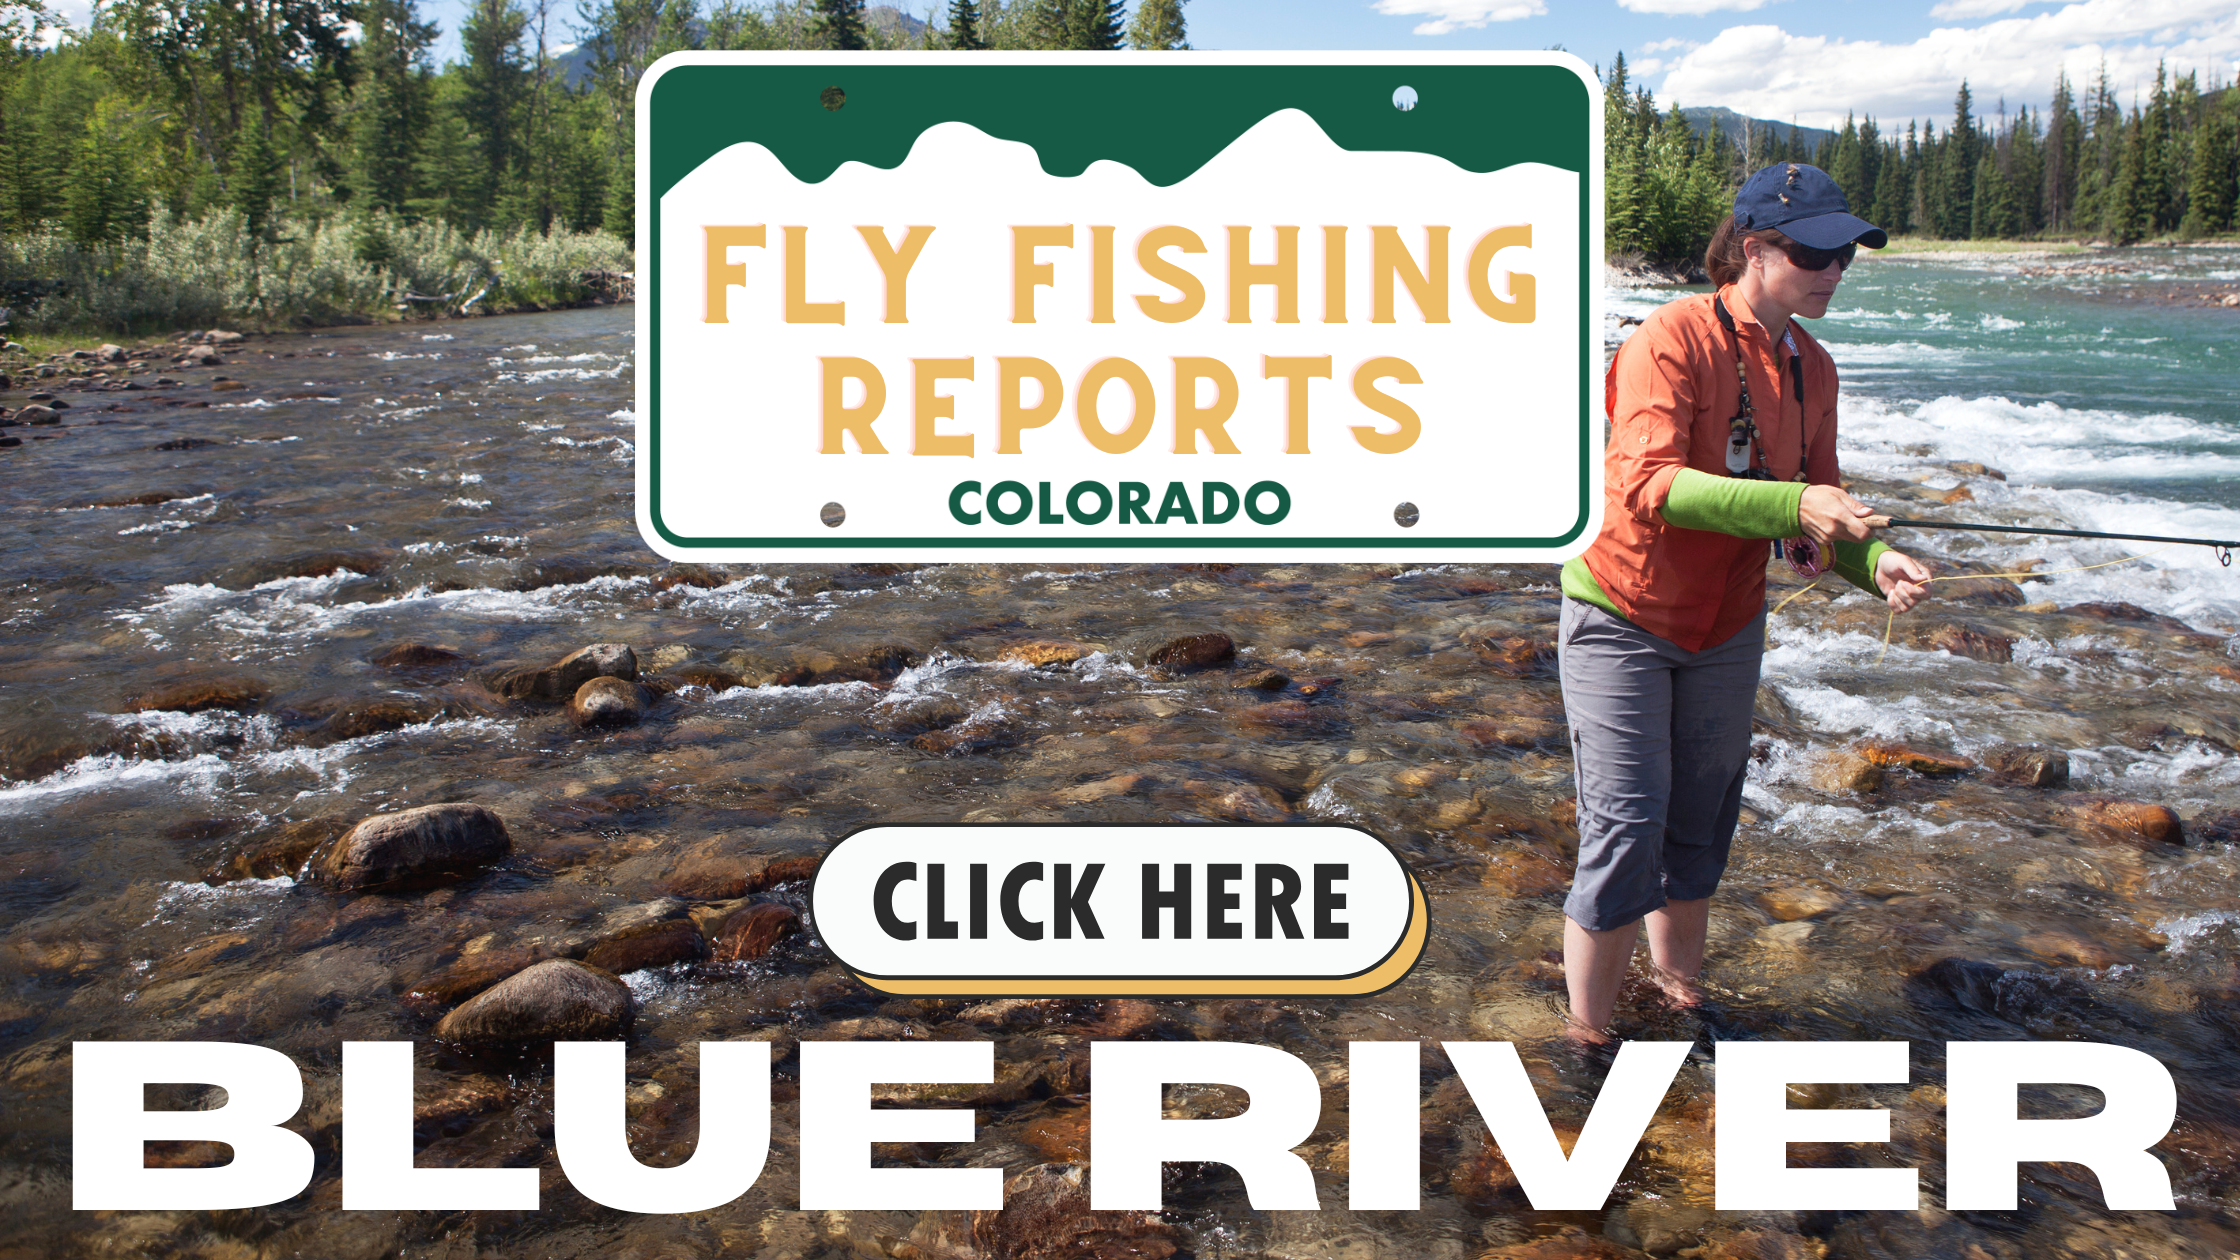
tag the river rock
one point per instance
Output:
(38, 413)
(1896, 756)
(1509, 652)
(2130, 819)
(1793, 902)
(37, 747)
(728, 878)
(2116, 610)
(282, 853)
(1994, 592)
(468, 975)
(1973, 642)
(753, 931)
(555, 1000)
(878, 663)
(1842, 770)
(238, 693)
(1041, 652)
(315, 564)
(417, 656)
(356, 718)
(649, 945)
(414, 846)
(714, 677)
(916, 715)
(2063, 948)
(1287, 717)
(978, 735)
(109, 353)
(1046, 1216)
(1525, 873)
(2030, 765)
(1263, 680)
(607, 702)
(1573, 1243)
(558, 682)
(1189, 653)
(1515, 731)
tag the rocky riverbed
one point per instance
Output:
(346, 705)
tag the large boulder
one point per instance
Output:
(558, 682)
(413, 847)
(555, 1000)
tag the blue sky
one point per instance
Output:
(1806, 60)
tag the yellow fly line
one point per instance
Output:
(1890, 622)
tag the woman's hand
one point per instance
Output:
(1903, 580)
(1829, 514)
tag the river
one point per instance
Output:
(205, 589)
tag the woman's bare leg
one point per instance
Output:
(1676, 939)
(1594, 966)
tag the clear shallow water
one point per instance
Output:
(469, 486)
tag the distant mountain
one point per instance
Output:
(574, 65)
(1707, 118)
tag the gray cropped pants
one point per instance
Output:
(1659, 737)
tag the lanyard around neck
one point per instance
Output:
(1743, 428)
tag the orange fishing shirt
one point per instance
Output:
(1669, 394)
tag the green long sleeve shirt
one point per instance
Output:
(1744, 509)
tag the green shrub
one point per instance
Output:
(212, 271)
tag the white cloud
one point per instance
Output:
(1645, 66)
(1766, 72)
(1691, 8)
(1667, 45)
(1448, 16)
(1965, 10)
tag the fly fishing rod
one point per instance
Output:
(2223, 546)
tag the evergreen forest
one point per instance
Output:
(296, 161)
(2083, 168)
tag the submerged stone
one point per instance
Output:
(555, 1000)
(607, 702)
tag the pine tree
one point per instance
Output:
(2129, 212)
(1622, 220)
(1891, 200)
(256, 179)
(840, 25)
(492, 88)
(1844, 166)
(1158, 25)
(1963, 145)
(1051, 23)
(2216, 169)
(2153, 189)
(964, 26)
(1099, 25)
(104, 201)
(2064, 146)
(393, 103)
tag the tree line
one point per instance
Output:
(2084, 166)
(318, 110)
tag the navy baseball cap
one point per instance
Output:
(1806, 205)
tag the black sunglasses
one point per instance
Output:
(1810, 259)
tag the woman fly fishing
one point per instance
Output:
(1722, 436)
